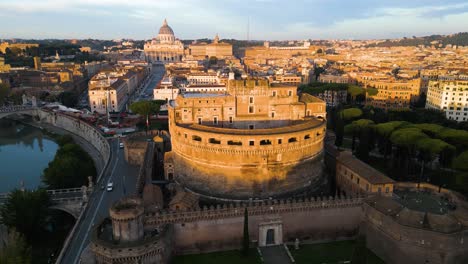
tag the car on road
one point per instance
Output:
(121, 145)
(110, 186)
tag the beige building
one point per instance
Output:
(256, 140)
(165, 47)
(215, 49)
(393, 94)
(450, 97)
(356, 178)
(108, 95)
(4, 67)
(21, 46)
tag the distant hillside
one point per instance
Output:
(459, 39)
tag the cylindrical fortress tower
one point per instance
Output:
(258, 141)
(127, 219)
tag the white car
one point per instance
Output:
(121, 145)
(110, 186)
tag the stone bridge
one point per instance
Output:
(67, 200)
(15, 109)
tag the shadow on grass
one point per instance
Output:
(223, 257)
(334, 252)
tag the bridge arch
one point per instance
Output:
(71, 210)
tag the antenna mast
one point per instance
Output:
(248, 28)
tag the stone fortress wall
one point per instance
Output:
(258, 141)
(399, 235)
(259, 163)
(77, 127)
(394, 240)
(220, 228)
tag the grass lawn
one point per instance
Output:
(223, 257)
(329, 253)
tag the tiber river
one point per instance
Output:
(24, 153)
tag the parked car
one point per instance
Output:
(121, 145)
(110, 186)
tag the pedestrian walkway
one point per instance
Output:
(275, 255)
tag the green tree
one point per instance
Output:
(354, 91)
(26, 212)
(351, 113)
(461, 162)
(68, 99)
(317, 71)
(4, 91)
(383, 132)
(429, 148)
(213, 60)
(246, 238)
(16, 250)
(355, 129)
(360, 251)
(364, 146)
(406, 140)
(339, 130)
(145, 109)
(70, 168)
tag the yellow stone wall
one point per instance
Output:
(256, 141)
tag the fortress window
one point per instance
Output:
(293, 139)
(199, 121)
(251, 143)
(272, 114)
(215, 120)
(185, 135)
(214, 141)
(234, 143)
(251, 126)
(251, 109)
(251, 100)
(307, 137)
(289, 93)
(230, 120)
(280, 141)
(196, 138)
(274, 93)
(265, 142)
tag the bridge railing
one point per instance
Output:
(53, 194)
(68, 200)
(15, 108)
(60, 191)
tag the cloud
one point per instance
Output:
(269, 19)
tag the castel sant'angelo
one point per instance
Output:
(256, 141)
(262, 149)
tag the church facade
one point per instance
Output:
(165, 47)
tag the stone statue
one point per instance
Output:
(84, 190)
(34, 101)
(296, 244)
(90, 182)
(22, 188)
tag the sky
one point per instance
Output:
(239, 19)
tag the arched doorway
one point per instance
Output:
(270, 237)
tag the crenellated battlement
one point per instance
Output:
(233, 210)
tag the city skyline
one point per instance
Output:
(192, 19)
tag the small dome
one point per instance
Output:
(166, 29)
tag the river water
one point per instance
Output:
(25, 152)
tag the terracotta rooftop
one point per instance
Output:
(367, 172)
